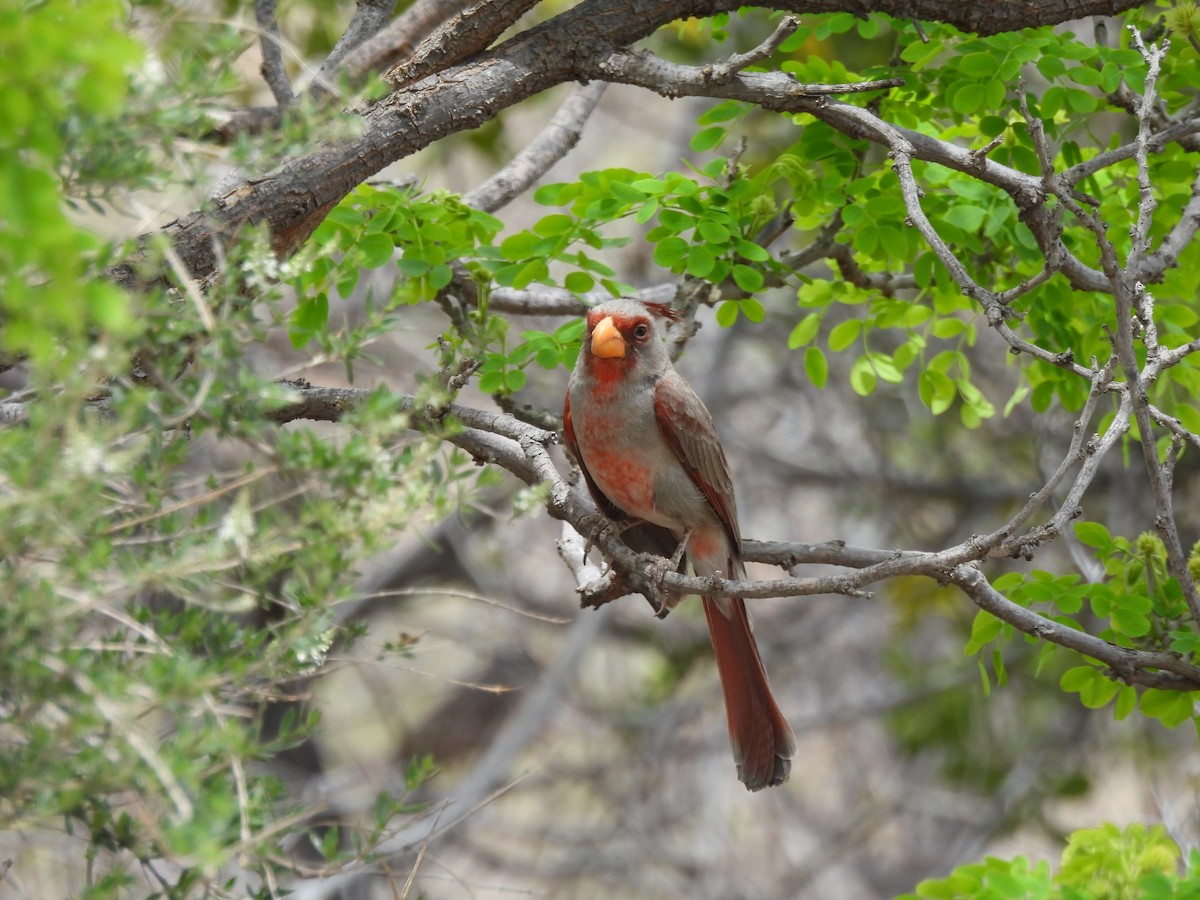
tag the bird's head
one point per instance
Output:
(624, 336)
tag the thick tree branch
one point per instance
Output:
(397, 40)
(459, 38)
(294, 198)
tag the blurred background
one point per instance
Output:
(605, 730)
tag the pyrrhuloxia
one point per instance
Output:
(650, 455)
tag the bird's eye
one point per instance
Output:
(641, 331)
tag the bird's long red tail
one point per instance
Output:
(760, 737)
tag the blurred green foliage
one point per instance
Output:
(1105, 863)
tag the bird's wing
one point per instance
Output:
(687, 426)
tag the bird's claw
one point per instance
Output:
(655, 569)
(594, 527)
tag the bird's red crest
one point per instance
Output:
(659, 310)
(663, 311)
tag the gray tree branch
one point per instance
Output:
(521, 449)
(557, 139)
(272, 53)
(369, 18)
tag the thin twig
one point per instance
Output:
(1127, 297)
(723, 72)
(272, 53)
(1147, 203)
(561, 133)
(369, 18)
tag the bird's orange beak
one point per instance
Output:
(606, 340)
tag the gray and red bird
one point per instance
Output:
(650, 455)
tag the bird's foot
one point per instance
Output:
(679, 551)
(593, 528)
(654, 569)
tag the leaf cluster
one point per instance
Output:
(1104, 863)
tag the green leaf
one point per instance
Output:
(752, 251)
(992, 126)
(1081, 101)
(1077, 678)
(937, 391)
(707, 139)
(534, 270)
(722, 112)
(1008, 581)
(1093, 534)
(804, 332)
(1185, 642)
(676, 221)
(1098, 692)
(491, 382)
(844, 334)
(514, 380)
(1130, 621)
(862, 377)
(671, 252)
(984, 629)
(579, 282)
(999, 668)
(626, 193)
(747, 279)
(713, 232)
(948, 328)
(549, 226)
(884, 368)
(550, 194)
(308, 319)
(440, 276)
(1172, 708)
(1127, 699)
(519, 246)
(700, 261)
(816, 367)
(968, 218)
(652, 186)
(1084, 75)
(375, 250)
(977, 65)
(412, 267)
(108, 307)
(968, 97)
